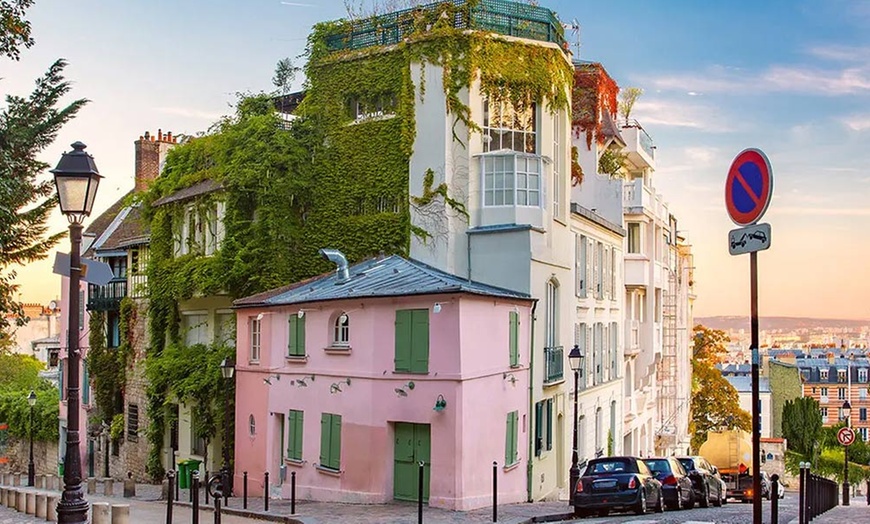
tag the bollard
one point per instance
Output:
(51, 507)
(774, 499)
(217, 508)
(170, 475)
(266, 490)
(129, 488)
(40, 482)
(30, 503)
(802, 494)
(420, 493)
(292, 492)
(51, 482)
(100, 513)
(244, 490)
(177, 482)
(120, 514)
(226, 490)
(41, 505)
(92, 486)
(109, 487)
(22, 502)
(494, 491)
(194, 488)
(207, 476)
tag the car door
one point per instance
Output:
(649, 485)
(713, 485)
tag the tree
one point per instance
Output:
(285, 73)
(715, 404)
(627, 99)
(709, 345)
(14, 29)
(28, 126)
(802, 426)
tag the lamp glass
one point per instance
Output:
(74, 191)
(31, 399)
(227, 369)
(847, 409)
(575, 358)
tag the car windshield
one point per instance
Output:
(687, 463)
(609, 466)
(658, 465)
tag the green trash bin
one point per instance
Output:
(60, 469)
(184, 474)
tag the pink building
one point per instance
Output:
(352, 379)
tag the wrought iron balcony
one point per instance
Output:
(554, 364)
(108, 297)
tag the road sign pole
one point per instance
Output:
(756, 416)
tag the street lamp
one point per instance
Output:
(31, 468)
(228, 369)
(847, 412)
(77, 179)
(575, 360)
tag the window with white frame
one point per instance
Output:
(580, 265)
(552, 327)
(614, 255)
(200, 230)
(823, 395)
(511, 179)
(841, 375)
(341, 331)
(823, 375)
(862, 394)
(195, 326)
(558, 169)
(255, 340)
(824, 414)
(225, 328)
(509, 125)
(862, 375)
(634, 236)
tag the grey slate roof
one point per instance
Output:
(200, 188)
(392, 276)
(744, 384)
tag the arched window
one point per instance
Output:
(341, 331)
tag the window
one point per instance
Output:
(296, 336)
(137, 261)
(551, 332)
(862, 414)
(597, 353)
(113, 329)
(294, 438)
(543, 426)
(599, 450)
(225, 328)
(60, 380)
(614, 255)
(841, 375)
(373, 107)
(824, 414)
(862, 375)
(511, 179)
(132, 422)
(341, 331)
(597, 255)
(514, 339)
(580, 264)
(823, 375)
(841, 393)
(510, 445)
(197, 441)
(863, 433)
(558, 170)
(330, 441)
(862, 394)
(509, 126)
(580, 341)
(195, 326)
(200, 230)
(614, 351)
(255, 340)
(412, 340)
(86, 384)
(634, 237)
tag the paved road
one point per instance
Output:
(731, 513)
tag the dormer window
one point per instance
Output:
(823, 375)
(862, 375)
(841, 375)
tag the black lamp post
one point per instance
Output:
(847, 413)
(228, 369)
(575, 360)
(77, 179)
(31, 468)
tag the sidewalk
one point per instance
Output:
(853, 514)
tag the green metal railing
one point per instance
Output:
(498, 16)
(553, 364)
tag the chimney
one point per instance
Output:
(830, 358)
(150, 154)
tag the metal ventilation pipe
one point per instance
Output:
(337, 257)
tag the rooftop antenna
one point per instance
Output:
(574, 26)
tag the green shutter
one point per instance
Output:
(86, 390)
(539, 427)
(335, 443)
(325, 426)
(514, 338)
(510, 452)
(403, 340)
(292, 339)
(300, 337)
(420, 341)
(60, 377)
(294, 437)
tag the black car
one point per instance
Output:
(617, 483)
(676, 484)
(707, 487)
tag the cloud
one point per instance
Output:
(859, 122)
(840, 53)
(824, 211)
(677, 114)
(819, 81)
(189, 113)
(294, 4)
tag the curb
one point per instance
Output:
(556, 517)
(286, 519)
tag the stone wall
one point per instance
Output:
(44, 457)
(785, 384)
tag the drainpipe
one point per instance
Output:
(531, 402)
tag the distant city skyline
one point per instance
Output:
(789, 77)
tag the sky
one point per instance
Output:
(791, 77)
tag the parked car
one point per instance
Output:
(723, 499)
(617, 483)
(707, 487)
(676, 484)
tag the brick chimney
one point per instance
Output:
(150, 155)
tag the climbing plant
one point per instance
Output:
(107, 367)
(594, 95)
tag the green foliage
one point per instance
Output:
(612, 162)
(108, 367)
(828, 464)
(802, 426)
(116, 428)
(19, 372)
(15, 411)
(627, 98)
(14, 29)
(609, 443)
(27, 127)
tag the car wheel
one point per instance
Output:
(640, 507)
(660, 507)
(678, 505)
(580, 512)
(705, 498)
(724, 497)
(717, 502)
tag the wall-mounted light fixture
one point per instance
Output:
(300, 382)
(335, 387)
(268, 380)
(260, 317)
(403, 391)
(437, 307)
(440, 403)
(510, 377)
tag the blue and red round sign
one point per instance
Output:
(749, 187)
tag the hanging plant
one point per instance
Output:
(594, 95)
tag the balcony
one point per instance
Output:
(639, 145)
(108, 297)
(554, 364)
(637, 196)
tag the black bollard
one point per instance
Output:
(177, 481)
(494, 491)
(266, 490)
(774, 499)
(244, 490)
(217, 508)
(802, 495)
(225, 486)
(194, 488)
(292, 492)
(170, 475)
(420, 494)
(207, 476)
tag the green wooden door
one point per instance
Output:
(412, 445)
